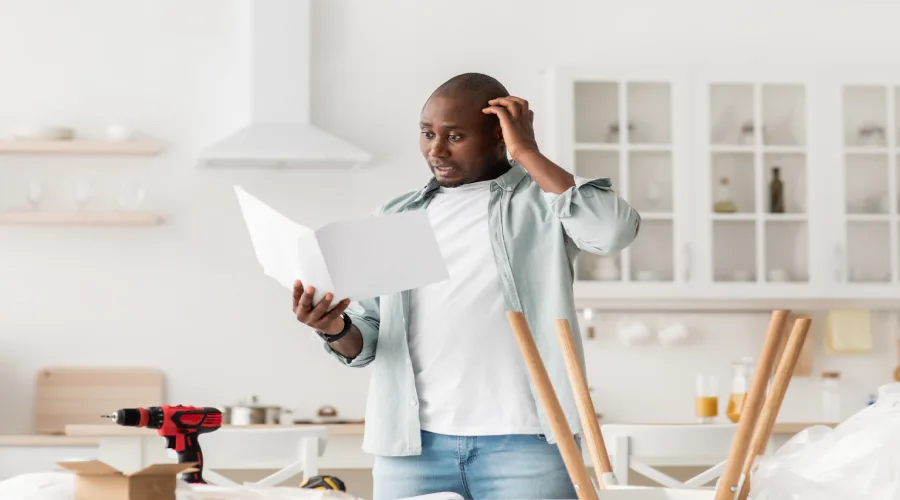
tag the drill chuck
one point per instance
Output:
(151, 417)
(129, 416)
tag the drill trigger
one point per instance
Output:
(170, 442)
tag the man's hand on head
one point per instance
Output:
(517, 124)
(318, 316)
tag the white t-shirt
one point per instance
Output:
(470, 376)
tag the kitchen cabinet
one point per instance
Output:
(695, 149)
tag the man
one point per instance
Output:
(451, 406)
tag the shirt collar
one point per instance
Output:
(507, 181)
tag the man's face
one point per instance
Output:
(460, 143)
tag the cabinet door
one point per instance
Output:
(628, 125)
(865, 212)
(755, 201)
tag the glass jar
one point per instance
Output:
(707, 399)
(831, 396)
(740, 384)
(723, 201)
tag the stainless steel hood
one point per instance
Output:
(280, 133)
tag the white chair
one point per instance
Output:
(288, 450)
(635, 446)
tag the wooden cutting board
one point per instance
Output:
(80, 395)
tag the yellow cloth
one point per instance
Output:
(849, 331)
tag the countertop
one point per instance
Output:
(89, 435)
(37, 440)
(118, 430)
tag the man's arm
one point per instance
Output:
(349, 346)
(593, 215)
(550, 177)
(357, 348)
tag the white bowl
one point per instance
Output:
(119, 133)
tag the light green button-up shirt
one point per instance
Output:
(535, 237)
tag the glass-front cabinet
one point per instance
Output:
(779, 183)
(867, 253)
(754, 135)
(624, 126)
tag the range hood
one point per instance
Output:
(280, 133)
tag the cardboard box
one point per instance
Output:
(96, 480)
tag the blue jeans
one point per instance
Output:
(521, 466)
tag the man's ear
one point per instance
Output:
(498, 134)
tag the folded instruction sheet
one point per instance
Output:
(353, 258)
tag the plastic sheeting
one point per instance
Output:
(860, 458)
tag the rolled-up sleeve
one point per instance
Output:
(365, 316)
(596, 218)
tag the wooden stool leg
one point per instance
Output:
(596, 446)
(780, 382)
(566, 441)
(728, 483)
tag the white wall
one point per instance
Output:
(189, 297)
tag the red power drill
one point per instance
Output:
(180, 425)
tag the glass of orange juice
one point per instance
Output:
(707, 398)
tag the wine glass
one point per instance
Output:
(130, 196)
(83, 193)
(35, 190)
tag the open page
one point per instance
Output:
(286, 250)
(381, 255)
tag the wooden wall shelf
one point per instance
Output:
(80, 218)
(80, 147)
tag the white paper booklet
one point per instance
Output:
(355, 258)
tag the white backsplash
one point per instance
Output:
(653, 382)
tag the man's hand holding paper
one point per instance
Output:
(326, 316)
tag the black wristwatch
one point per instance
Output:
(333, 338)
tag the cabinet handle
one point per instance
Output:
(839, 263)
(687, 262)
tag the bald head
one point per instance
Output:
(471, 92)
(475, 86)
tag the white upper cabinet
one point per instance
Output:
(773, 184)
(865, 206)
(628, 125)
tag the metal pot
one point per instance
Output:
(252, 414)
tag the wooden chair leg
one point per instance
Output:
(571, 455)
(728, 483)
(586, 412)
(766, 422)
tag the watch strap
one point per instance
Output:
(348, 324)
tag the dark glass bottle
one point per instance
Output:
(776, 192)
